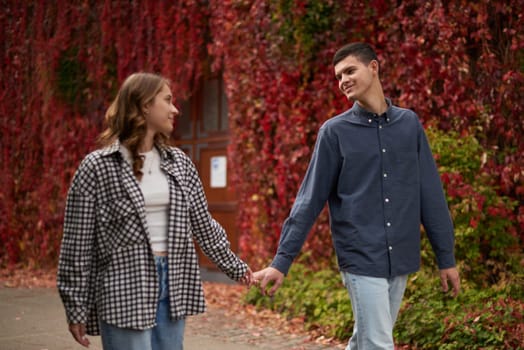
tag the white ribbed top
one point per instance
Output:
(155, 189)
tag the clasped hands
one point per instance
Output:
(267, 278)
(272, 278)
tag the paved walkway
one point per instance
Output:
(33, 319)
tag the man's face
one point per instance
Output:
(354, 77)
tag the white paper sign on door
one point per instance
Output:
(218, 172)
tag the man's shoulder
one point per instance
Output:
(403, 112)
(340, 118)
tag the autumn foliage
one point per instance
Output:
(458, 64)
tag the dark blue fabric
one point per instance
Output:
(381, 182)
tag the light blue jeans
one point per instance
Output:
(166, 335)
(375, 303)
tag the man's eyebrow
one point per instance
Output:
(345, 68)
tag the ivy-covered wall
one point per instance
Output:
(458, 64)
(62, 64)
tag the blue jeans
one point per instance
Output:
(375, 303)
(166, 335)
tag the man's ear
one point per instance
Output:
(374, 66)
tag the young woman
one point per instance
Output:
(128, 268)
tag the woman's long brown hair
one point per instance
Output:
(125, 117)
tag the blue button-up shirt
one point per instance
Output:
(381, 182)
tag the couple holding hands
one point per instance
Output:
(128, 268)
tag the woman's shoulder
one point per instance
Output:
(90, 165)
(98, 156)
(180, 161)
(175, 151)
(177, 155)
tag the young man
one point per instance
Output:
(374, 167)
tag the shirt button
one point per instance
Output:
(388, 224)
(369, 120)
(383, 150)
(380, 126)
(386, 200)
(390, 248)
(385, 175)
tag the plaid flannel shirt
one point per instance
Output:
(106, 267)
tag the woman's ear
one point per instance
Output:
(145, 109)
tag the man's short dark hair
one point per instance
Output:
(362, 51)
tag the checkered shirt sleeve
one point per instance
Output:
(77, 244)
(209, 234)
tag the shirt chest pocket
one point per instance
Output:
(120, 224)
(406, 168)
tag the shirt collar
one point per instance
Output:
(117, 146)
(112, 148)
(363, 116)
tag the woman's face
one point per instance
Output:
(160, 113)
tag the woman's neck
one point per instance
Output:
(147, 143)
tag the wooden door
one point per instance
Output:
(202, 132)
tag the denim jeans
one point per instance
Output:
(375, 303)
(166, 335)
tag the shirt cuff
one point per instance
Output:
(76, 315)
(281, 263)
(445, 262)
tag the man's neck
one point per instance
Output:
(374, 100)
(374, 105)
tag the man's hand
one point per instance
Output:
(452, 275)
(267, 275)
(78, 330)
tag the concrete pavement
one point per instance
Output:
(33, 319)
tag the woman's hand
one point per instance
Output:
(249, 278)
(78, 330)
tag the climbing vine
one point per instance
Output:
(458, 64)
(63, 62)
